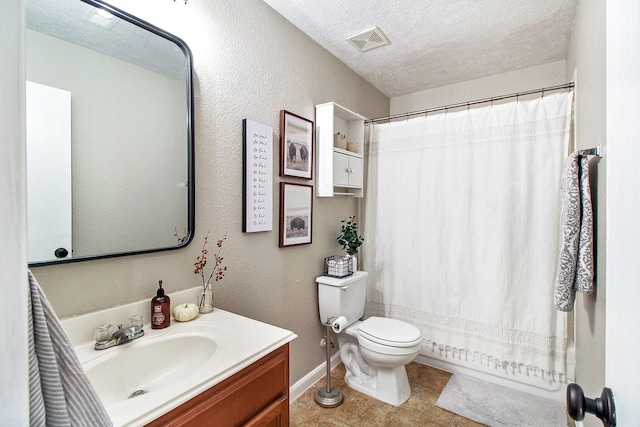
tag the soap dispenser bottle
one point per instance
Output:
(160, 309)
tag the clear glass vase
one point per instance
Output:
(205, 300)
(354, 262)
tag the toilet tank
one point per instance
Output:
(342, 297)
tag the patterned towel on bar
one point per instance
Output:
(575, 269)
(59, 392)
(585, 268)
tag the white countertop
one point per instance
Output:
(246, 341)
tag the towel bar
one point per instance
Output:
(595, 151)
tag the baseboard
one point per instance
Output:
(296, 390)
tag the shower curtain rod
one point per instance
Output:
(470, 103)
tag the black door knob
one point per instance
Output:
(603, 407)
(61, 253)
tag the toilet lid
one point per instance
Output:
(390, 332)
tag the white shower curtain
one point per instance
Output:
(461, 222)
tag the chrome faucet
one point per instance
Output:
(104, 338)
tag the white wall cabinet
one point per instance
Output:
(347, 169)
(338, 171)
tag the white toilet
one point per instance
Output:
(374, 351)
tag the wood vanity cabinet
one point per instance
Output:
(257, 396)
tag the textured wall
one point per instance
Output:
(537, 77)
(249, 63)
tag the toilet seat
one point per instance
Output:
(389, 333)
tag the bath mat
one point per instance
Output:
(495, 405)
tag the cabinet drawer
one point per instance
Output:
(237, 399)
(275, 415)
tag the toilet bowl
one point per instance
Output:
(388, 342)
(374, 351)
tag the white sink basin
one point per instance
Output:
(147, 365)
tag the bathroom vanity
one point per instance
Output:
(256, 396)
(219, 369)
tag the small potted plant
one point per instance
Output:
(350, 239)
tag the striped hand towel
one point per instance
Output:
(59, 392)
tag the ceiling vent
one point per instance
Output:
(369, 39)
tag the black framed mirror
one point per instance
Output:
(110, 144)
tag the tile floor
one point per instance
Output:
(359, 410)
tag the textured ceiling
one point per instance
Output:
(436, 42)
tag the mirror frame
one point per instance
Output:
(190, 140)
